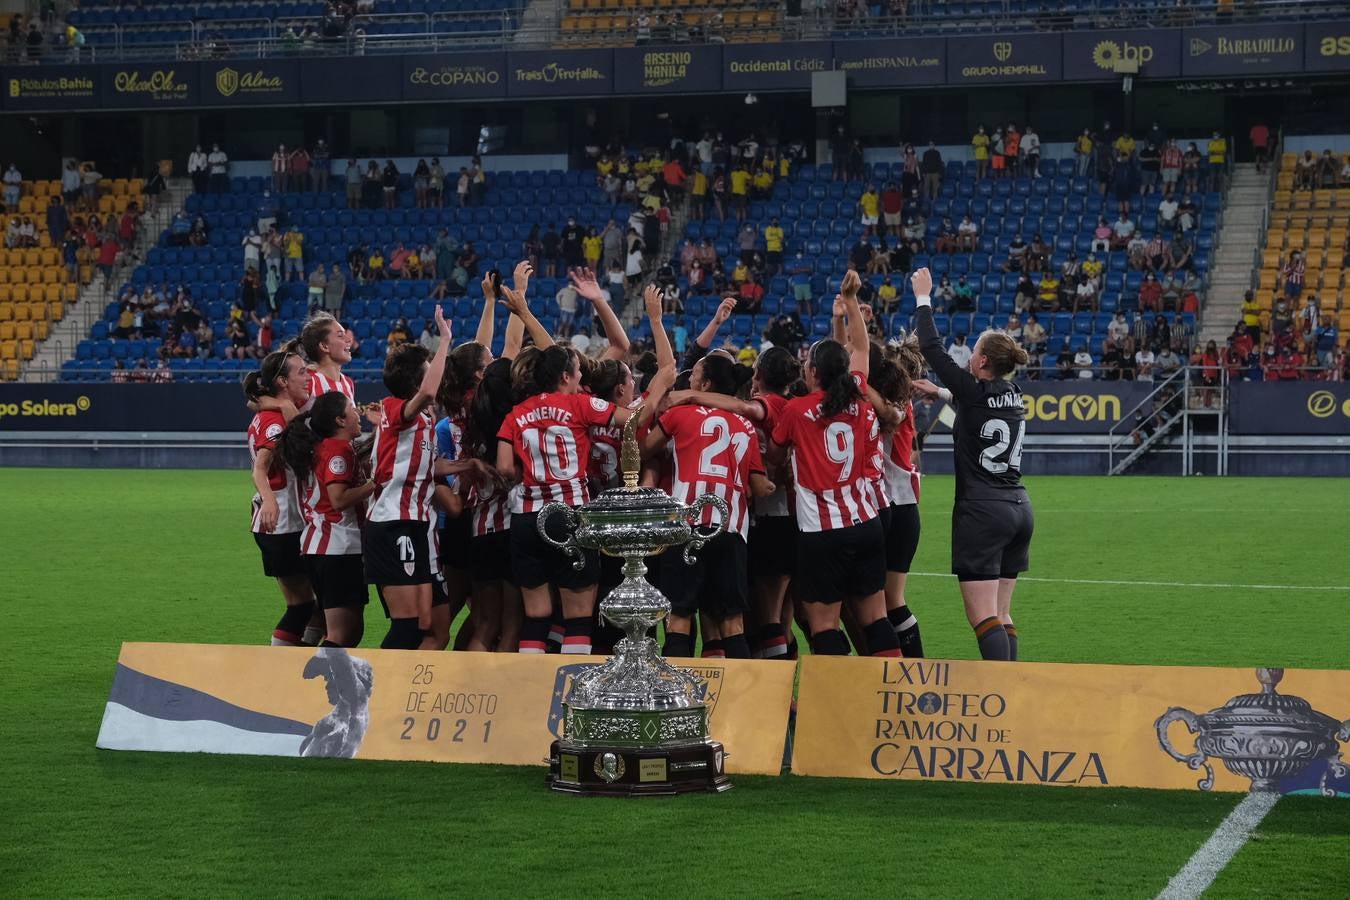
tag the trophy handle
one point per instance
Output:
(1195, 760)
(568, 546)
(693, 512)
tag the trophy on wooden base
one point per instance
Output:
(635, 725)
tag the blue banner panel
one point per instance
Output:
(684, 69)
(1290, 407)
(123, 407)
(769, 67)
(50, 87)
(250, 82)
(1006, 59)
(559, 73)
(1092, 55)
(1261, 48)
(892, 63)
(454, 76)
(168, 85)
(1077, 407)
(351, 80)
(1326, 46)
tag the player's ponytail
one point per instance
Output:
(301, 437)
(908, 359)
(554, 363)
(1005, 354)
(461, 376)
(830, 360)
(884, 376)
(262, 382)
(605, 378)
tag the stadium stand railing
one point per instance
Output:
(1168, 418)
(818, 214)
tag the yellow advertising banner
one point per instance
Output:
(1084, 725)
(387, 704)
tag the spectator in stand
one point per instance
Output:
(1048, 292)
(740, 189)
(1150, 163)
(887, 295)
(591, 249)
(13, 187)
(1064, 362)
(1218, 158)
(128, 227)
(299, 169)
(574, 255)
(218, 164)
(980, 149)
(1167, 213)
(399, 334)
(421, 183)
(1118, 329)
(320, 165)
(1017, 255)
(294, 243)
(107, 258)
(892, 206)
(334, 291)
(89, 185)
(1101, 236)
(1082, 152)
(389, 184)
(931, 167)
(1144, 361)
(959, 351)
(910, 174)
(1260, 138)
(1082, 363)
(1327, 170)
(944, 295)
(1125, 184)
(1031, 151)
(1191, 162)
(1038, 255)
(869, 206)
(1024, 296)
(968, 234)
(318, 282)
(1085, 295)
(963, 295)
(1294, 273)
(1167, 362)
(197, 168)
(1180, 252)
(1150, 294)
(550, 249)
(773, 246)
(1112, 361)
(1012, 150)
(70, 257)
(1170, 164)
(1135, 251)
(946, 239)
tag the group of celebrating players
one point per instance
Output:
(438, 505)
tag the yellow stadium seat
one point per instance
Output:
(1268, 278)
(7, 331)
(56, 309)
(6, 307)
(136, 186)
(86, 274)
(1270, 257)
(41, 329)
(20, 296)
(27, 206)
(70, 293)
(9, 350)
(51, 257)
(1295, 238)
(32, 257)
(27, 349)
(51, 274)
(10, 370)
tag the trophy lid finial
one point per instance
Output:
(630, 459)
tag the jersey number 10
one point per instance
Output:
(1000, 432)
(552, 452)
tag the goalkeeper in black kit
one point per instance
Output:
(991, 519)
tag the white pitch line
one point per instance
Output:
(1185, 584)
(1207, 862)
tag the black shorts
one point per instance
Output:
(991, 538)
(534, 562)
(835, 565)
(715, 584)
(902, 535)
(339, 581)
(281, 554)
(490, 557)
(398, 553)
(772, 540)
(455, 543)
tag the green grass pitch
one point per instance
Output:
(93, 558)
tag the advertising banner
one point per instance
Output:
(1290, 407)
(1090, 726)
(774, 67)
(454, 76)
(668, 70)
(251, 81)
(168, 85)
(892, 63)
(559, 73)
(50, 88)
(1073, 407)
(1092, 55)
(502, 708)
(351, 81)
(1006, 59)
(1261, 48)
(1326, 46)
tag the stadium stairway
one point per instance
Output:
(539, 17)
(94, 296)
(1235, 255)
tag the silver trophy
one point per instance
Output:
(636, 724)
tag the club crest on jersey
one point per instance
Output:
(337, 466)
(273, 431)
(599, 404)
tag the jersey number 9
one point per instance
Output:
(839, 448)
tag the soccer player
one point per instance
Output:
(544, 443)
(397, 550)
(992, 520)
(277, 522)
(326, 346)
(317, 445)
(715, 452)
(841, 552)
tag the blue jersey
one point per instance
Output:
(446, 448)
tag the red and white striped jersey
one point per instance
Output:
(714, 452)
(901, 476)
(778, 503)
(549, 434)
(320, 384)
(330, 532)
(876, 478)
(603, 469)
(263, 433)
(404, 454)
(830, 456)
(491, 511)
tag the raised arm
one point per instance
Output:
(520, 309)
(838, 321)
(486, 322)
(859, 353)
(586, 286)
(751, 409)
(665, 353)
(431, 381)
(703, 343)
(953, 377)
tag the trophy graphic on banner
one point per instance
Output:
(636, 724)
